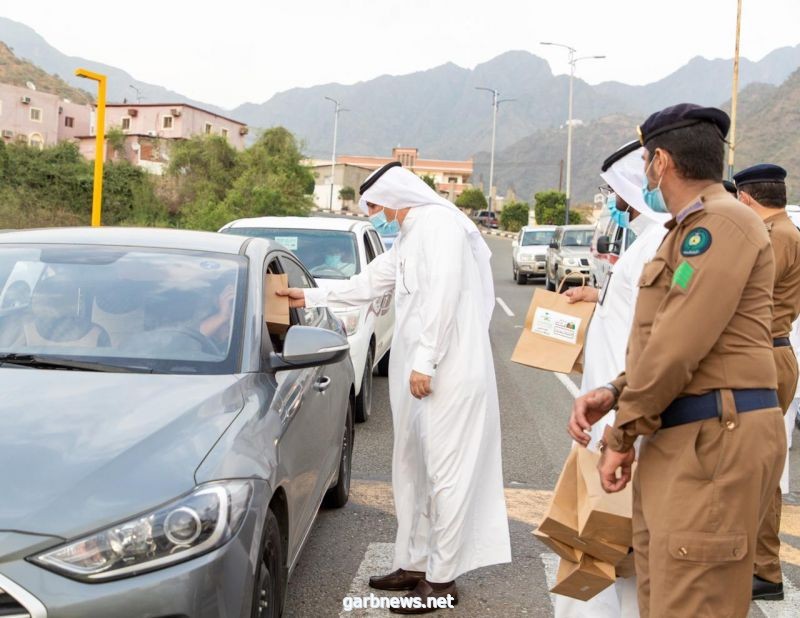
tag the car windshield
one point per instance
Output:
(158, 311)
(328, 254)
(577, 238)
(541, 237)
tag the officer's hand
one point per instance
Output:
(610, 462)
(297, 298)
(582, 293)
(586, 411)
(420, 385)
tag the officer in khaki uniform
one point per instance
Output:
(763, 189)
(699, 382)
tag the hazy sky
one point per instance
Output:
(235, 51)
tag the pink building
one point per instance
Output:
(40, 118)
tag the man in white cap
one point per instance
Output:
(607, 336)
(447, 472)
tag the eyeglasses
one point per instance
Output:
(605, 190)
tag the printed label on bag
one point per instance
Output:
(558, 326)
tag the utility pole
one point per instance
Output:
(337, 108)
(496, 101)
(99, 142)
(735, 95)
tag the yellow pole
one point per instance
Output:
(735, 95)
(100, 140)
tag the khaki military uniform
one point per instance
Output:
(785, 239)
(701, 325)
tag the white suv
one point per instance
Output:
(333, 250)
(529, 252)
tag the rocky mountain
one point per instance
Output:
(20, 73)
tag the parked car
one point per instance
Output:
(529, 252)
(164, 450)
(609, 242)
(568, 255)
(487, 218)
(334, 249)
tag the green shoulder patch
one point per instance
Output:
(683, 275)
(698, 241)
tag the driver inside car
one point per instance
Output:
(339, 257)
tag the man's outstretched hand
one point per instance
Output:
(297, 297)
(610, 462)
(586, 411)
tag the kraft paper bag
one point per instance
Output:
(626, 568)
(562, 550)
(602, 517)
(560, 522)
(276, 308)
(554, 333)
(584, 579)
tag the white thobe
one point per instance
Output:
(446, 468)
(791, 413)
(604, 360)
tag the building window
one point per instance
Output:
(36, 114)
(126, 124)
(452, 180)
(166, 122)
(224, 133)
(69, 121)
(208, 128)
(36, 141)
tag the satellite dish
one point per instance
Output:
(30, 85)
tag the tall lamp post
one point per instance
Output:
(496, 101)
(99, 142)
(572, 62)
(735, 94)
(337, 108)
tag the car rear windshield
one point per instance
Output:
(327, 254)
(541, 237)
(157, 311)
(577, 238)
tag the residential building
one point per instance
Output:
(345, 175)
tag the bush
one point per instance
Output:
(472, 199)
(550, 207)
(514, 216)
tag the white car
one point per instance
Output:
(333, 250)
(529, 251)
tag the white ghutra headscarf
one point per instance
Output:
(398, 188)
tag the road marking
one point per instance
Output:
(377, 561)
(790, 606)
(568, 384)
(550, 562)
(505, 307)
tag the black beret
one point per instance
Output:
(729, 187)
(620, 154)
(679, 116)
(373, 178)
(764, 172)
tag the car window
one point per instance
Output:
(328, 254)
(376, 242)
(578, 238)
(298, 278)
(537, 237)
(146, 309)
(370, 251)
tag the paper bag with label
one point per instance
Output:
(554, 333)
(584, 579)
(602, 517)
(561, 549)
(560, 522)
(276, 308)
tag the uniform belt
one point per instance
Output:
(702, 407)
(781, 342)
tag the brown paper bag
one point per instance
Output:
(584, 579)
(602, 516)
(626, 568)
(561, 549)
(276, 308)
(554, 333)
(560, 522)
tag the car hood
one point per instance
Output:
(576, 251)
(533, 249)
(80, 450)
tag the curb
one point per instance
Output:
(498, 233)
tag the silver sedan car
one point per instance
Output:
(164, 449)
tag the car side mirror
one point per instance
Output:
(604, 245)
(308, 346)
(553, 244)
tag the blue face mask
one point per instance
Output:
(621, 217)
(653, 197)
(333, 260)
(384, 227)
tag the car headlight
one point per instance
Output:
(571, 262)
(527, 257)
(195, 524)
(351, 319)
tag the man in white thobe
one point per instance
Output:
(607, 339)
(446, 469)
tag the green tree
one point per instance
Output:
(347, 194)
(472, 199)
(514, 216)
(550, 207)
(115, 138)
(430, 181)
(204, 167)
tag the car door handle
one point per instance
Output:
(322, 384)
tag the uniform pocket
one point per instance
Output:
(652, 290)
(707, 546)
(709, 448)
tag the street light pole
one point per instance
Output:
(337, 108)
(496, 101)
(735, 95)
(99, 142)
(572, 62)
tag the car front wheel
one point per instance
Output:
(337, 496)
(270, 586)
(548, 284)
(364, 399)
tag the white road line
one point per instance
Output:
(505, 307)
(789, 607)
(568, 384)
(377, 560)
(550, 562)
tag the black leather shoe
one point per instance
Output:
(766, 591)
(399, 580)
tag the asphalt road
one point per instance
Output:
(348, 545)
